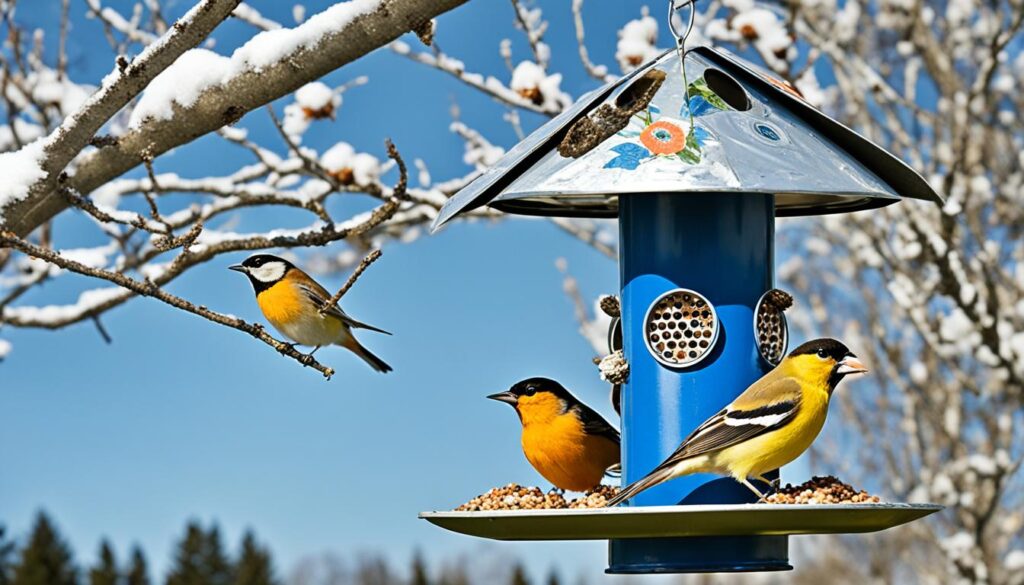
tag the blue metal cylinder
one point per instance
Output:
(720, 245)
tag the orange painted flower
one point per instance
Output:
(663, 137)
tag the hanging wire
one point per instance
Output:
(673, 7)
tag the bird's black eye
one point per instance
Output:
(822, 354)
(531, 390)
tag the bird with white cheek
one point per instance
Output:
(292, 301)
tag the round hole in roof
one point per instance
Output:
(727, 88)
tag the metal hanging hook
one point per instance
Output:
(673, 7)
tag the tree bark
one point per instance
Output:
(226, 103)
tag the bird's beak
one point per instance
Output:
(506, 397)
(238, 268)
(851, 365)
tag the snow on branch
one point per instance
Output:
(257, 73)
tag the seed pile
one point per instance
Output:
(516, 497)
(821, 490)
(595, 498)
(680, 328)
(772, 336)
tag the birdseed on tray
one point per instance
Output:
(821, 490)
(516, 497)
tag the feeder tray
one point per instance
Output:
(680, 521)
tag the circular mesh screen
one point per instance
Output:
(771, 330)
(681, 328)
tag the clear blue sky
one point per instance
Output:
(180, 418)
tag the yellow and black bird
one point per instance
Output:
(291, 300)
(565, 440)
(769, 425)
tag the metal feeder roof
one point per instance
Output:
(751, 134)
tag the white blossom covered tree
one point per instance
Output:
(933, 298)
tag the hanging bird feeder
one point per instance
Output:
(696, 153)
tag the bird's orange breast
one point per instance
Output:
(565, 455)
(282, 304)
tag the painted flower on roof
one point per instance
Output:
(663, 137)
(660, 136)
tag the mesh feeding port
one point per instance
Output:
(681, 328)
(770, 327)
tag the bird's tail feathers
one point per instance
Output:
(367, 356)
(361, 325)
(652, 479)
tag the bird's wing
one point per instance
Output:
(594, 424)
(764, 406)
(320, 297)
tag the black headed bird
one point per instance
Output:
(291, 300)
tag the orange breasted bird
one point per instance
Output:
(769, 425)
(291, 300)
(565, 440)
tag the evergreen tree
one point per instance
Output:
(553, 578)
(199, 559)
(105, 571)
(138, 572)
(254, 565)
(519, 575)
(7, 552)
(419, 575)
(454, 575)
(45, 559)
(217, 564)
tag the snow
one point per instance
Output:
(198, 70)
(636, 44)
(918, 373)
(87, 301)
(269, 47)
(530, 81)
(20, 170)
(341, 157)
(317, 96)
(1014, 560)
(766, 30)
(27, 132)
(5, 348)
(182, 83)
(49, 88)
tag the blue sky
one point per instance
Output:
(180, 418)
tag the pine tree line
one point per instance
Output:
(199, 558)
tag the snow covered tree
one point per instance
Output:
(45, 559)
(105, 571)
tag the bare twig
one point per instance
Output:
(363, 265)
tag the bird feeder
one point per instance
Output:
(696, 153)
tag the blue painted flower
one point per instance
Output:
(630, 156)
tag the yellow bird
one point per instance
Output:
(291, 300)
(565, 440)
(769, 425)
